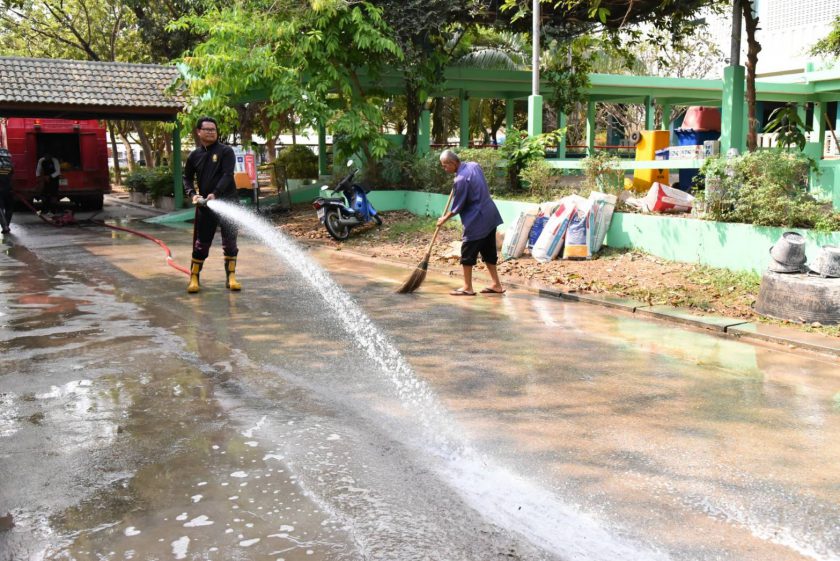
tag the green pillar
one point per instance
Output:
(666, 116)
(837, 118)
(465, 120)
(177, 172)
(535, 115)
(732, 110)
(509, 105)
(802, 112)
(650, 114)
(561, 124)
(322, 150)
(590, 128)
(815, 149)
(424, 135)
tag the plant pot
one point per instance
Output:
(165, 203)
(138, 197)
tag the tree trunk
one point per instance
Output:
(115, 154)
(439, 132)
(145, 143)
(413, 107)
(270, 148)
(753, 48)
(129, 153)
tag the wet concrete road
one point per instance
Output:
(140, 422)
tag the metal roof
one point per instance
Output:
(41, 87)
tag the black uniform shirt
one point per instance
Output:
(212, 169)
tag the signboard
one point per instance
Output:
(251, 167)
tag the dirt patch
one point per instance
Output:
(615, 272)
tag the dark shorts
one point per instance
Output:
(486, 246)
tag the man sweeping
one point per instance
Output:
(208, 174)
(480, 217)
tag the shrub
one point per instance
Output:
(519, 149)
(602, 173)
(765, 188)
(157, 182)
(490, 161)
(136, 181)
(299, 161)
(161, 182)
(545, 182)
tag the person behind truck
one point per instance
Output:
(208, 175)
(47, 173)
(6, 198)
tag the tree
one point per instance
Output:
(753, 47)
(426, 31)
(830, 44)
(304, 58)
(153, 18)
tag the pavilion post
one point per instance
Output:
(590, 128)
(177, 172)
(732, 114)
(666, 116)
(561, 124)
(650, 113)
(424, 136)
(732, 125)
(322, 150)
(816, 149)
(465, 120)
(509, 105)
(535, 100)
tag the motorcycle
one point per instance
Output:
(341, 214)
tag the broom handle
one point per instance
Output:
(437, 228)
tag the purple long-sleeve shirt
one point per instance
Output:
(471, 200)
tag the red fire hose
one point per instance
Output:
(64, 222)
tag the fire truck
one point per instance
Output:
(79, 146)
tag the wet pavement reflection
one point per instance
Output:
(140, 422)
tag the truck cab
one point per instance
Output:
(79, 146)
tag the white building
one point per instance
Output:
(788, 29)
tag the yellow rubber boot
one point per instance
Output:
(195, 269)
(230, 270)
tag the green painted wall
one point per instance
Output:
(739, 247)
(828, 182)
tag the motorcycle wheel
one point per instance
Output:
(334, 228)
(377, 220)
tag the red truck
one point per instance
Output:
(79, 146)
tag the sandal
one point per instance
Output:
(489, 290)
(462, 292)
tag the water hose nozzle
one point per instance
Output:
(201, 201)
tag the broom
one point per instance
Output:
(419, 274)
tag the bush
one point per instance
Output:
(400, 169)
(299, 162)
(766, 188)
(546, 183)
(519, 150)
(136, 181)
(157, 182)
(489, 160)
(602, 173)
(427, 175)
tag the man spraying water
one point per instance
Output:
(208, 175)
